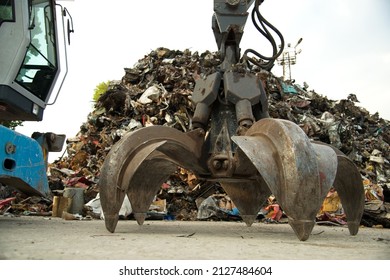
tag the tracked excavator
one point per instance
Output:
(32, 69)
(233, 141)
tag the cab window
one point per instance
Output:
(40, 63)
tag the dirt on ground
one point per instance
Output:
(47, 238)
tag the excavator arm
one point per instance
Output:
(233, 141)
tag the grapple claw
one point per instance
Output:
(349, 186)
(112, 198)
(298, 172)
(139, 163)
(274, 156)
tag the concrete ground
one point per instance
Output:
(47, 238)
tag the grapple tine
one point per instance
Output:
(139, 163)
(349, 186)
(249, 197)
(144, 184)
(327, 165)
(111, 199)
(112, 191)
(288, 163)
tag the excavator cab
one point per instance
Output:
(32, 67)
(31, 63)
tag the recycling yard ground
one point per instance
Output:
(47, 238)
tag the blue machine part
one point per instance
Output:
(22, 163)
(288, 89)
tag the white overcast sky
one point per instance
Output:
(345, 47)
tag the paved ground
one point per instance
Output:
(23, 238)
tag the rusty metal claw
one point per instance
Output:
(298, 172)
(349, 186)
(112, 198)
(274, 156)
(139, 163)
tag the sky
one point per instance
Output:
(345, 48)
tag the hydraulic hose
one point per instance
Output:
(264, 62)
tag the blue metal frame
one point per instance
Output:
(22, 163)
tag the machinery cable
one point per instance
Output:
(264, 62)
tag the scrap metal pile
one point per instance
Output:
(157, 91)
